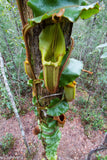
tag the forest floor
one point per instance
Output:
(74, 144)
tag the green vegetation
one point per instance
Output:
(13, 51)
(91, 116)
(34, 150)
(12, 48)
(81, 101)
(92, 34)
(88, 35)
(99, 157)
(7, 143)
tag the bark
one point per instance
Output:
(13, 103)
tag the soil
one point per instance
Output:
(74, 144)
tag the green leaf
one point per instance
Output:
(53, 140)
(71, 72)
(102, 45)
(58, 109)
(52, 124)
(34, 100)
(73, 9)
(35, 111)
(104, 55)
(46, 129)
(45, 135)
(52, 143)
(39, 136)
(30, 82)
(88, 11)
(1, 8)
(41, 77)
(51, 155)
(54, 102)
(8, 1)
(52, 147)
(41, 7)
(41, 74)
(23, 45)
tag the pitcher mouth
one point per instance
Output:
(36, 130)
(61, 119)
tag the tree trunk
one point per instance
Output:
(33, 39)
(13, 103)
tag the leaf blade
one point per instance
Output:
(58, 109)
(104, 55)
(71, 72)
(73, 9)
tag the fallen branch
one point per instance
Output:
(105, 140)
(13, 103)
(100, 148)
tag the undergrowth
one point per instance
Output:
(92, 117)
(7, 143)
(99, 157)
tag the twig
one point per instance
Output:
(96, 150)
(51, 95)
(87, 71)
(100, 148)
(105, 140)
(13, 103)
